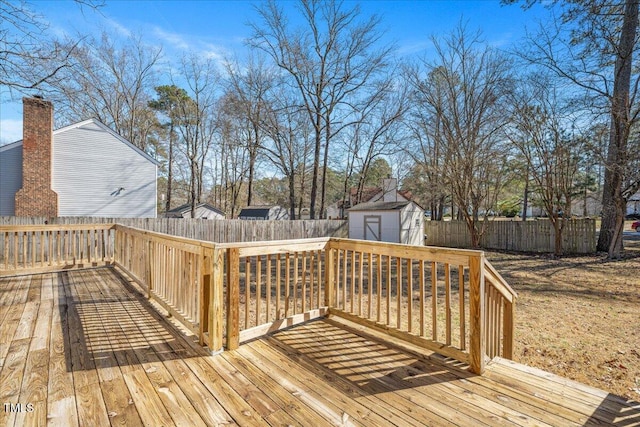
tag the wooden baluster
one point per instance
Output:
(278, 286)
(399, 292)
(258, 288)
(296, 262)
(447, 292)
(268, 288)
(353, 281)
(303, 282)
(410, 294)
(463, 325)
(287, 278)
(434, 301)
(370, 286)
(423, 301)
(388, 290)
(247, 291)
(379, 289)
(360, 286)
(344, 280)
(311, 278)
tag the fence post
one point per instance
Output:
(233, 298)
(329, 274)
(477, 348)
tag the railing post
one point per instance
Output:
(329, 279)
(477, 325)
(233, 298)
(206, 293)
(508, 329)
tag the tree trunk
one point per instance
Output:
(170, 171)
(292, 196)
(316, 166)
(611, 230)
(525, 203)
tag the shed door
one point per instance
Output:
(372, 228)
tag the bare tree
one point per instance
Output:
(375, 131)
(464, 92)
(592, 45)
(248, 88)
(29, 57)
(540, 123)
(329, 59)
(197, 118)
(112, 84)
(289, 145)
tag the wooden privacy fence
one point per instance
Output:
(579, 235)
(220, 231)
(451, 301)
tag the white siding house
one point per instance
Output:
(98, 173)
(10, 176)
(94, 172)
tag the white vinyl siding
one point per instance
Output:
(10, 177)
(95, 173)
(412, 226)
(389, 231)
(405, 225)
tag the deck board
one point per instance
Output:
(85, 347)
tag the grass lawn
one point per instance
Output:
(579, 317)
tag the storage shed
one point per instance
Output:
(391, 221)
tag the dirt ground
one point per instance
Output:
(579, 317)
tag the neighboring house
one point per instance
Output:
(389, 188)
(203, 211)
(264, 212)
(84, 169)
(633, 204)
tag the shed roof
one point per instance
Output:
(379, 206)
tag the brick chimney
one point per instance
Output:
(36, 198)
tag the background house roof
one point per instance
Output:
(379, 206)
(84, 123)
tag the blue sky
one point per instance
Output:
(218, 28)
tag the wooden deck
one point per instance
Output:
(84, 347)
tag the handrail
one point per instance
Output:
(499, 282)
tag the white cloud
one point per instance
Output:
(176, 41)
(10, 130)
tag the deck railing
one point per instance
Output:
(34, 248)
(272, 285)
(177, 273)
(446, 300)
